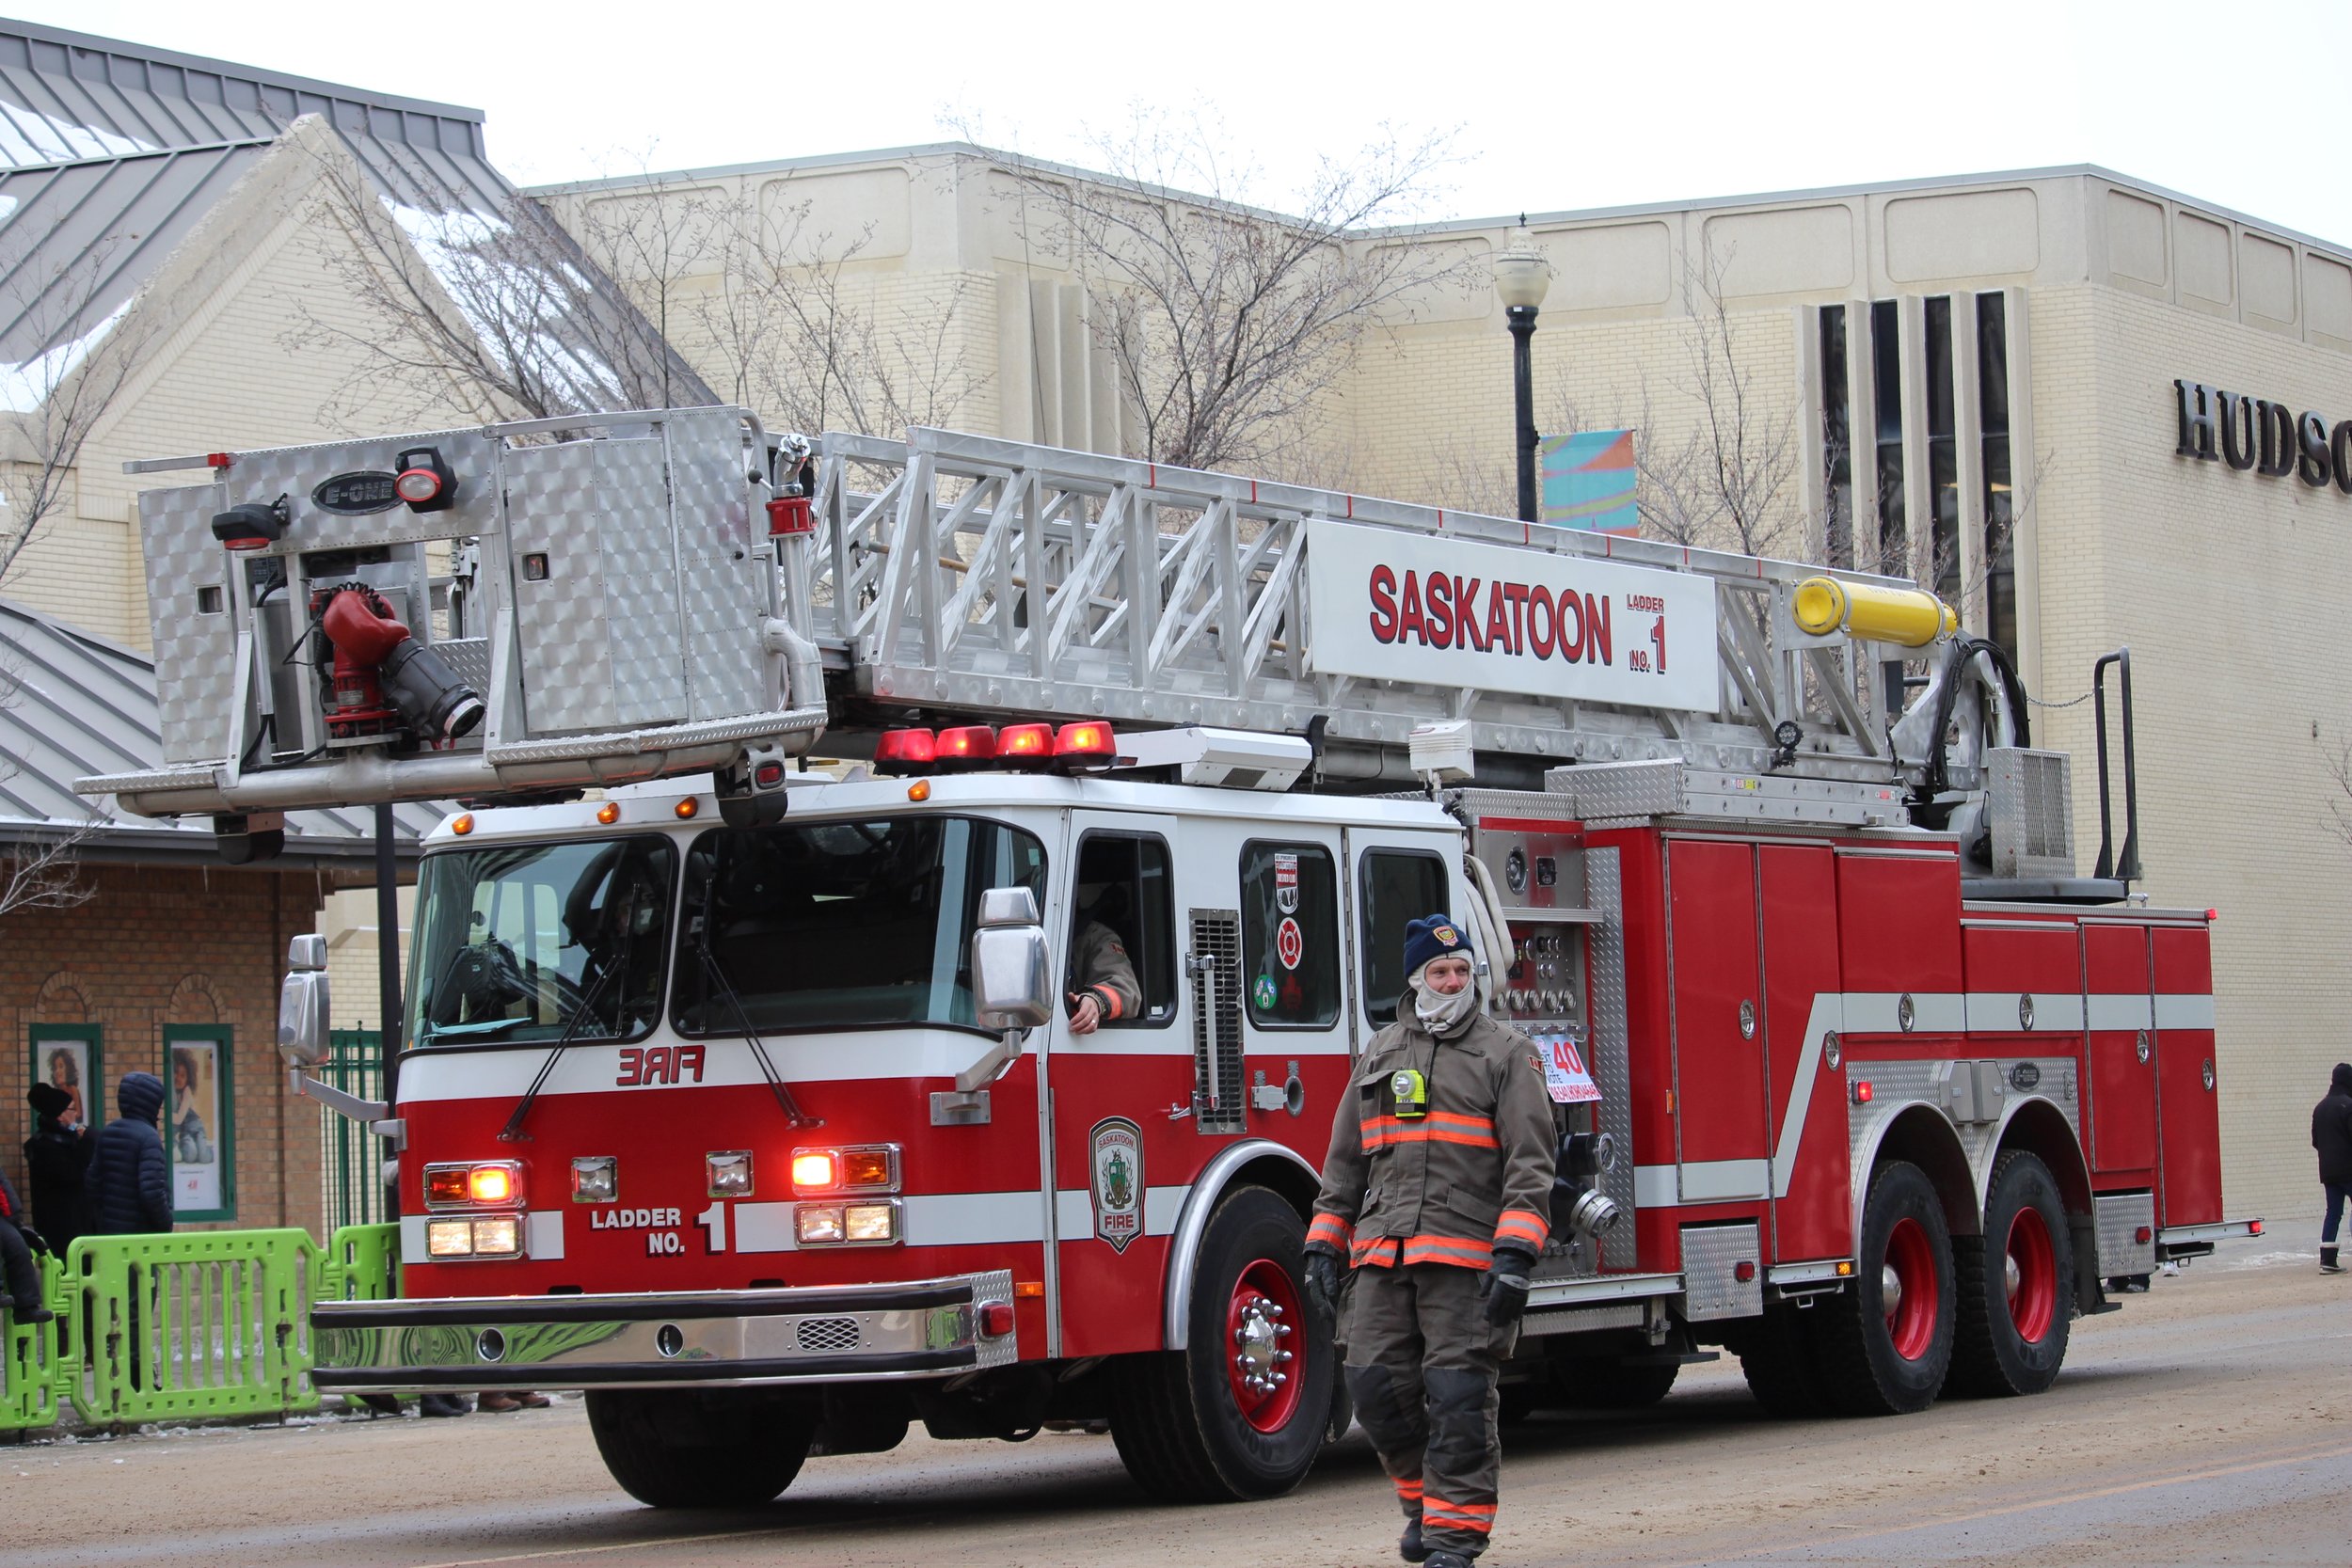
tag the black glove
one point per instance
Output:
(1505, 1289)
(33, 1238)
(1323, 1283)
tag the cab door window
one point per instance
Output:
(1290, 935)
(1399, 886)
(1123, 930)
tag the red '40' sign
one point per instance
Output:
(1401, 607)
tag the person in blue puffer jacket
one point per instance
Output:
(129, 1184)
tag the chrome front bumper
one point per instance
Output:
(928, 1329)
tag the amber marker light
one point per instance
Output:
(686, 809)
(608, 813)
(462, 823)
(919, 791)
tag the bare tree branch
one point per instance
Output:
(1227, 324)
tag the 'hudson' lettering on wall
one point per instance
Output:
(1439, 610)
(2268, 438)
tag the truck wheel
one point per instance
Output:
(1777, 1361)
(2016, 1285)
(682, 1448)
(1882, 1348)
(1241, 1410)
(1607, 1384)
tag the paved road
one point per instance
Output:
(2206, 1423)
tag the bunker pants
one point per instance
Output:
(1422, 1360)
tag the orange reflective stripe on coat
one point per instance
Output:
(1332, 1229)
(1448, 1250)
(1442, 1126)
(1524, 1227)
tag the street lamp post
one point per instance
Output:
(1522, 276)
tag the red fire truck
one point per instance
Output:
(744, 1094)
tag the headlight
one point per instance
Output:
(595, 1179)
(872, 1221)
(819, 1224)
(449, 1238)
(728, 1173)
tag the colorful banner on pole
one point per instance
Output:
(1585, 480)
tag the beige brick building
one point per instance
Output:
(1975, 381)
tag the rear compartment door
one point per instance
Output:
(1717, 1014)
(2121, 1019)
(2189, 1105)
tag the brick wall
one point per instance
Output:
(160, 945)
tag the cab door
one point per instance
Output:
(1116, 1111)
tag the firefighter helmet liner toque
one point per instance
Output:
(1434, 936)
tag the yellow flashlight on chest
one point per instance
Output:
(1410, 1091)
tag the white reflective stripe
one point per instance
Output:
(1994, 1012)
(431, 1075)
(965, 1219)
(2185, 1012)
(1828, 1013)
(761, 1227)
(1879, 1012)
(543, 1236)
(1073, 1211)
(2061, 1012)
(1654, 1187)
(1707, 1180)
(2122, 1012)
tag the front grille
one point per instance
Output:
(820, 1336)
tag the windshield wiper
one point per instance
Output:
(513, 1131)
(792, 1111)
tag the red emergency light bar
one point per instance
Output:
(1089, 743)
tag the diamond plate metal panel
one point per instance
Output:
(1711, 1254)
(295, 471)
(1895, 1086)
(638, 545)
(1619, 789)
(195, 653)
(2120, 1219)
(560, 621)
(726, 673)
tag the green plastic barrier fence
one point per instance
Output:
(185, 1327)
(189, 1327)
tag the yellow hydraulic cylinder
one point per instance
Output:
(1908, 616)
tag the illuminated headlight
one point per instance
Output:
(595, 1179)
(849, 1224)
(729, 1173)
(864, 1167)
(486, 1184)
(489, 1236)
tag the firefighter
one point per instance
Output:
(1436, 1191)
(1104, 988)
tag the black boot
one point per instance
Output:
(1446, 1560)
(32, 1312)
(2327, 1263)
(1408, 1546)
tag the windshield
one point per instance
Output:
(832, 924)
(515, 941)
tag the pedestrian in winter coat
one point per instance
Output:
(17, 1241)
(57, 1157)
(130, 1182)
(1437, 1191)
(2331, 1134)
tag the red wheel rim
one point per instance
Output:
(1909, 1285)
(2033, 1276)
(1262, 1366)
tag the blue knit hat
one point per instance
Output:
(1433, 935)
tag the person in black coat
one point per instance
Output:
(17, 1241)
(2331, 1134)
(57, 1157)
(129, 1184)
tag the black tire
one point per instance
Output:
(681, 1449)
(1776, 1357)
(1515, 1402)
(2012, 1339)
(1605, 1382)
(1869, 1365)
(1178, 1417)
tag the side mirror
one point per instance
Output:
(1011, 981)
(306, 953)
(302, 1014)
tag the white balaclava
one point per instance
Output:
(1442, 1015)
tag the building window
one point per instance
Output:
(1290, 935)
(1836, 441)
(1943, 455)
(1886, 380)
(2000, 560)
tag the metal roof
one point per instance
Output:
(72, 705)
(129, 146)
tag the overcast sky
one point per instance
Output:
(1558, 107)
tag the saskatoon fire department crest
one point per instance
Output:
(1115, 1147)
